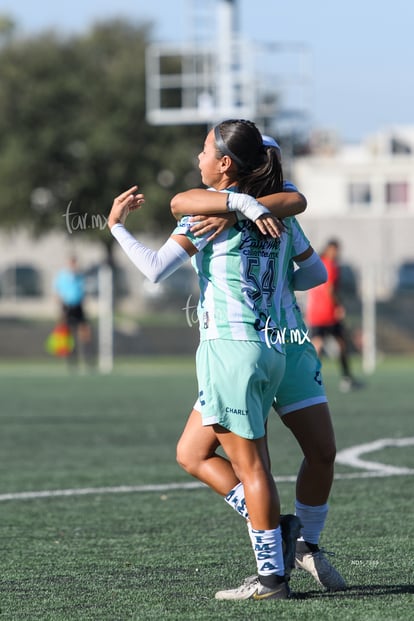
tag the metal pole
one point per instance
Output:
(106, 319)
(369, 344)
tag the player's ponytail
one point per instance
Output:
(259, 171)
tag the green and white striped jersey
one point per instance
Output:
(242, 281)
(291, 316)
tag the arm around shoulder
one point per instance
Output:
(198, 202)
(285, 204)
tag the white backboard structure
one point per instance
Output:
(210, 78)
(189, 86)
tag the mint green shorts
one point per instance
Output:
(302, 384)
(237, 382)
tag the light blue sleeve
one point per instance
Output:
(310, 273)
(288, 186)
(300, 242)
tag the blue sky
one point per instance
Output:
(361, 51)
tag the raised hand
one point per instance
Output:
(123, 205)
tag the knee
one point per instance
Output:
(186, 459)
(181, 456)
(327, 454)
(322, 455)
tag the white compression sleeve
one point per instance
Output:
(311, 273)
(155, 265)
(247, 205)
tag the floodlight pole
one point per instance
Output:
(226, 56)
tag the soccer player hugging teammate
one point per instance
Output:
(300, 399)
(240, 364)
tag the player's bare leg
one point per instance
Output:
(312, 428)
(196, 454)
(249, 459)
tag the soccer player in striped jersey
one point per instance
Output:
(300, 400)
(240, 359)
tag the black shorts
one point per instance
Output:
(74, 315)
(337, 330)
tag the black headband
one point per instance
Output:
(223, 148)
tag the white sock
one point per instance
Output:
(267, 546)
(235, 498)
(313, 520)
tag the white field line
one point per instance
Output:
(351, 456)
(348, 457)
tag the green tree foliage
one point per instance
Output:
(73, 130)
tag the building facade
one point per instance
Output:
(364, 196)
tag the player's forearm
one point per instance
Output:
(154, 264)
(198, 202)
(205, 202)
(284, 204)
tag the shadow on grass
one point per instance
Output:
(354, 592)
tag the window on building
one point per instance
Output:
(400, 146)
(359, 194)
(396, 194)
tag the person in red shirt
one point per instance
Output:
(325, 314)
